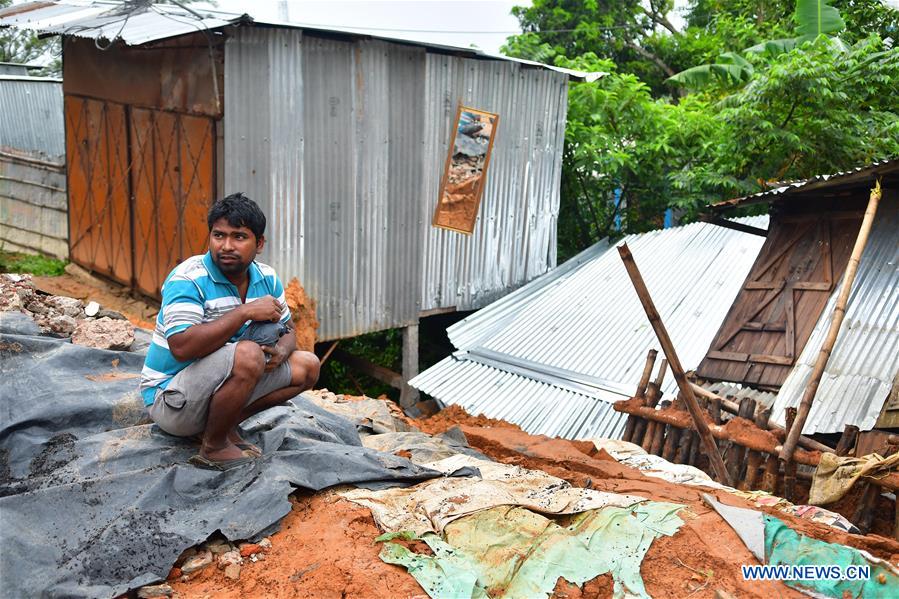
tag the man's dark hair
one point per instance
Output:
(239, 211)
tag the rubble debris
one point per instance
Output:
(302, 309)
(62, 316)
(219, 547)
(229, 558)
(232, 571)
(66, 305)
(104, 313)
(266, 544)
(104, 333)
(248, 549)
(155, 590)
(197, 562)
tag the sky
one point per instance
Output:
(484, 23)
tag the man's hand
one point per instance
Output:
(263, 309)
(277, 354)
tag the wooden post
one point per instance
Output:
(644, 431)
(864, 511)
(847, 440)
(839, 312)
(672, 440)
(754, 461)
(702, 427)
(631, 425)
(409, 395)
(658, 433)
(769, 478)
(693, 456)
(683, 447)
(736, 458)
(790, 465)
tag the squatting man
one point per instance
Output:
(224, 348)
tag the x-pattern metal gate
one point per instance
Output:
(140, 182)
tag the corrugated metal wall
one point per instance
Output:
(514, 239)
(33, 214)
(32, 116)
(343, 144)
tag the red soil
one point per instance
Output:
(302, 308)
(325, 548)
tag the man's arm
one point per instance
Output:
(202, 339)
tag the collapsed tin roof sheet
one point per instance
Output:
(553, 356)
(141, 22)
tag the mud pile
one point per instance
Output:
(302, 309)
(326, 548)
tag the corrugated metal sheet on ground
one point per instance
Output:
(566, 346)
(865, 359)
(32, 116)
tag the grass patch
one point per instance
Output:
(41, 266)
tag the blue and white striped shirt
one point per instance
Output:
(196, 291)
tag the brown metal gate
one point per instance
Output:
(781, 300)
(140, 182)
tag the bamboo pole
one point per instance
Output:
(790, 464)
(631, 425)
(839, 313)
(645, 428)
(734, 408)
(655, 320)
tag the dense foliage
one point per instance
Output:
(638, 144)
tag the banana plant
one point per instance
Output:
(813, 18)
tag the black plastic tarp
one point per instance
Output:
(95, 500)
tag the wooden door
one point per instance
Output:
(781, 300)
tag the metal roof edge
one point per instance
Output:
(212, 20)
(782, 191)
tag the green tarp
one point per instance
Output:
(513, 552)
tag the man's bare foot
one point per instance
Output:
(228, 452)
(235, 437)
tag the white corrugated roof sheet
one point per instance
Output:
(865, 359)
(553, 356)
(144, 22)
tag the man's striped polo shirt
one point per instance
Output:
(196, 291)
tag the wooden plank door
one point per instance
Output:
(781, 299)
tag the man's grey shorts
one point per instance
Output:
(182, 407)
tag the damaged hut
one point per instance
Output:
(806, 361)
(343, 138)
(554, 356)
(775, 329)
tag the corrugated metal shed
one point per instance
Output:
(36, 102)
(350, 186)
(572, 342)
(865, 359)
